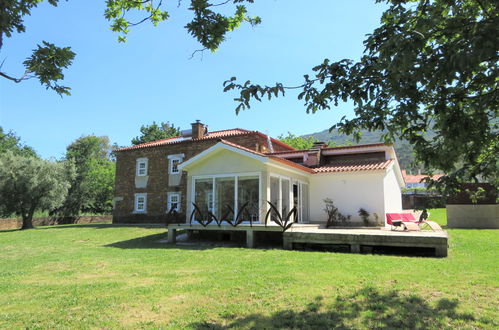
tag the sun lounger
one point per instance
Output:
(395, 220)
(409, 222)
(409, 217)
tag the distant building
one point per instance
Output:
(418, 181)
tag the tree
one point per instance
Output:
(47, 61)
(92, 187)
(155, 132)
(298, 142)
(28, 184)
(11, 142)
(431, 64)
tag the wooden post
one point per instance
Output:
(172, 235)
(250, 239)
(287, 242)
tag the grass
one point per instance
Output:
(100, 276)
(439, 216)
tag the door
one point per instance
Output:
(297, 201)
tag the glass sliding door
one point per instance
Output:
(275, 193)
(224, 196)
(248, 190)
(286, 193)
(297, 200)
(203, 196)
(304, 203)
(285, 197)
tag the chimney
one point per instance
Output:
(319, 145)
(198, 130)
(313, 155)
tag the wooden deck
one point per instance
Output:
(313, 234)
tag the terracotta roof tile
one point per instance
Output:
(355, 166)
(281, 160)
(408, 178)
(292, 164)
(241, 147)
(211, 135)
(277, 153)
(358, 146)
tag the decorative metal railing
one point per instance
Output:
(206, 217)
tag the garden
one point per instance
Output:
(100, 275)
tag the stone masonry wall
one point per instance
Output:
(157, 185)
(14, 223)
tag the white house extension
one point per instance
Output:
(354, 177)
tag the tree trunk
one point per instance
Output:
(28, 218)
(27, 222)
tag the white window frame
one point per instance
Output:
(169, 201)
(236, 176)
(171, 159)
(136, 203)
(137, 167)
(292, 180)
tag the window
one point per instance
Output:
(173, 202)
(140, 203)
(248, 190)
(203, 195)
(174, 166)
(141, 167)
(222, 193)
(286, 194)
(174, 162)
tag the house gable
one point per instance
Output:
(221, 159)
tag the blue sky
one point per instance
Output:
(117, 87)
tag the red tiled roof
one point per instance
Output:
(408, 178)
(343, 167)
(235, 145)
(358, 146)
(292, 164)
(281, 160)
(355, 166)
(211, 135)
(277, 153)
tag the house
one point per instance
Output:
(413, 181)
(238, 167)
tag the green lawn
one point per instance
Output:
(102, 276)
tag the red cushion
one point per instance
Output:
(392, 216)
(408, 217)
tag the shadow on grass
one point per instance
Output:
(367, 308)
(156, 241)
(89, 225)
(101, 226)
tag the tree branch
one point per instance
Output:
(198, 51)
(221, 3)
(483, 7)
(16, 80)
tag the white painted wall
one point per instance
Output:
(349, 191)
(225, 162)
(392, 192)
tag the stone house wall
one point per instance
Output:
(157, 186)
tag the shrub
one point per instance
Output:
(333, 215)
(364, 215)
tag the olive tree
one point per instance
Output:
(28, 184)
